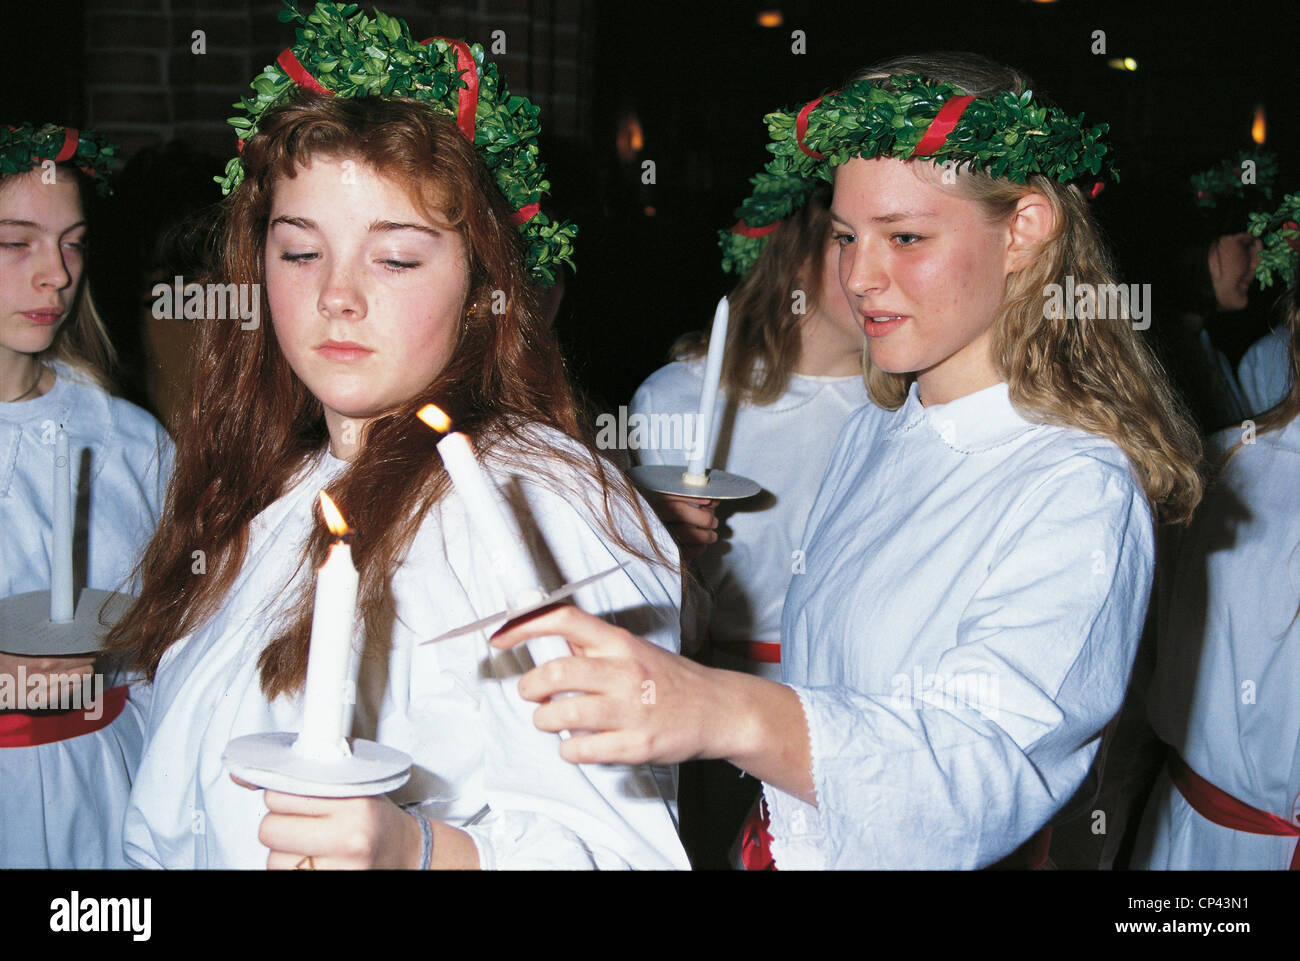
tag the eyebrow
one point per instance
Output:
(376, 226)
(890, 218)
(33, 224)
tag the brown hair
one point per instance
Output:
(1094, 375)
(252, 424)
(763, 337)
(82, 341)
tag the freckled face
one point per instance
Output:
(366, 292)
(42, 237)
(924, 269)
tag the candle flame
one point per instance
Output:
(333, 517)
(1259, 128)
(434, 416)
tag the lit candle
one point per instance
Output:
(330, 683)
(697, 466)
(61, 602)
(492, 526)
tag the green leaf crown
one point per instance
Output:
(351, 55)
(1280, 231)
(1008, 135)
(1223, 182)
(26, 146)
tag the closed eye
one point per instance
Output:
(298, 258)
(397, 266)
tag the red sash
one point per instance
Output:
(22, 729)
(1225, 810)
(766, 652)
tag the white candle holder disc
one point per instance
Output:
(672, 479)
(270, 761)
(26, 628)
(541, 600)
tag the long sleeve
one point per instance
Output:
(968, 755)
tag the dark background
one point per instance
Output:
(698, 77)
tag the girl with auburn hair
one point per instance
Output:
(793, 369)
(1223, 696)
(393, 276)
(978, 562)
(66, 773)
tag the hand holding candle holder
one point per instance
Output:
(320, 761)
(694, 479)
(46, 623)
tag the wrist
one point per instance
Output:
(422, 845)
(737, 701)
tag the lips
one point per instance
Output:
(43, 315)
(878, 323)
(344, 351)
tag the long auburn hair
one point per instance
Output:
(82, 341)
(763, 337)
(253, 426)
(1094, 375)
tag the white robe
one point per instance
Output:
(975, 590)
(784, 446)
(1265, 370)
(1224, 692)
(451, 705)
(61, 804)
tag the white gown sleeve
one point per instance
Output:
(961, 773)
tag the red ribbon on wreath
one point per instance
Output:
(801, 125)
(745, 230)
(942, 125)
(467, 96)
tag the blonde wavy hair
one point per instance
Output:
(1094, 375)
(82, 341)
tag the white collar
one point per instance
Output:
(971, 424)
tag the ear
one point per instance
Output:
(1032, 222)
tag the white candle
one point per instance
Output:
(330, 684)
(61, 602)
(493, 528)
(704, 421)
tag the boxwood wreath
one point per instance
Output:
(25, 146)
(909, 117)
(340, 51)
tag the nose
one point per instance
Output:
(861, 273)
(52, 270)
(341, 297)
